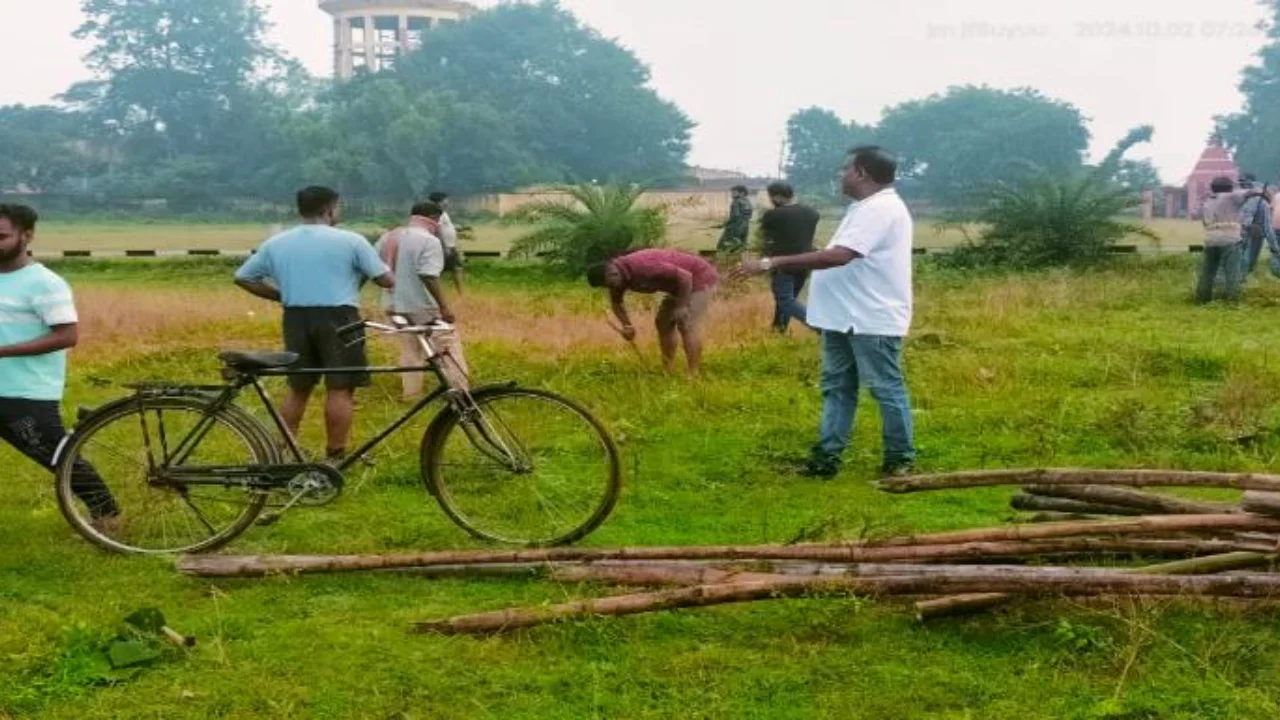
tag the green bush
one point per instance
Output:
(1048, 220)
(599, 223)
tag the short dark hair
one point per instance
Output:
(438, 197)
(782, 190)
(22, 217)
(740, 189)
(1222, 184)
(429, 209)
(314, 200)
(596, 274)
(879, 164)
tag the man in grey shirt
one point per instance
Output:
(416, 256)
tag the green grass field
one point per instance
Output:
(489, 237)
(1109, 368)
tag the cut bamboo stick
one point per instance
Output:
(969, 543)
(1138, 499)
(1262, 503)
(1032, 503)
(974, 602)
(1077, 476)
(960, 580)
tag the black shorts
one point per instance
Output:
(452, 259)
(312, 332)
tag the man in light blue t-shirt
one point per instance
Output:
(38, 323)
(316, 271)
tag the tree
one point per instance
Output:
(592, 225)
(579, 103)
(1251, 133)
(40, 150)
(178, 82)
(970, 136)
(1050, 219)
(1138, 175)
(817, 142)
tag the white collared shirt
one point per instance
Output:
(872, 294)
(448, 233)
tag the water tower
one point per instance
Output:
(374, 33)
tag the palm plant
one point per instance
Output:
(592, 225)
(1048, 220)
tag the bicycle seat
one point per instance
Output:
(258, 360)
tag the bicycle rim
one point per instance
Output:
(530, 468)
(122, 446)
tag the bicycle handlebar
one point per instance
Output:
(433, 327)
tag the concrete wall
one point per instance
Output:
(690, 204)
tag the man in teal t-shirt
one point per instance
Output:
(38, 323)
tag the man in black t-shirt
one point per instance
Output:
(788, 229)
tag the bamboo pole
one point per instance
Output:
(960, 579)
(974, 602)
(1077, 476)
(1032, 503)
(1137, 499)
(992, 542)
(1262, 503)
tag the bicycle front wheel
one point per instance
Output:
(111, 485)
(522, 467)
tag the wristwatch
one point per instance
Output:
(766, 264)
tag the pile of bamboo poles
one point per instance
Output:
(1104, 535)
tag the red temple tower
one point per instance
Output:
(1215, 161)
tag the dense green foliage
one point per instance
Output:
(190, 103)
(1252, 131)
(948, 143)
(596, 224)
(1049, 219)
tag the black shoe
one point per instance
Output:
(821, 470)
(897, 470)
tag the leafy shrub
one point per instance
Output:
(596, 224)
(1048, 220)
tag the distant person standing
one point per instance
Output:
(40, 325)
(788, 229)
(861, 299)
(688, 282)
(316, 271)
(416, 257)
(1256, 228)
(448, 234)
(1223, 247)
(738, 226)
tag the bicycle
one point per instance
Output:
(192, 470)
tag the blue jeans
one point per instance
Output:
(849, 362)
(786, 287)
(1228, 259)
(1252, 250)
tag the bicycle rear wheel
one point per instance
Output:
(126, 446)
(522, 467)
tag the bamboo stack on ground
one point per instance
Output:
(1136, 541)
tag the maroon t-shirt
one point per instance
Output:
(658, 270)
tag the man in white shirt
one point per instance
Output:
(453, 259)
(860, 299)
(416, 257)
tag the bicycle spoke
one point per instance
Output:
(170, 516)
(556, 480)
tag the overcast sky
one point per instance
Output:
(739, 68)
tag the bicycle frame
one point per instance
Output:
(259, 476)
